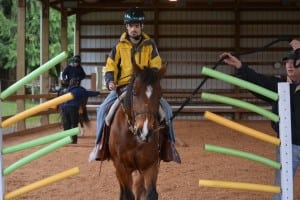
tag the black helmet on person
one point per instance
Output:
(294, 55)
(77, 59)
(134, 15)
(290, 55)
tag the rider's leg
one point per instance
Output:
(169, 152)
(168, 114)
(112, 96)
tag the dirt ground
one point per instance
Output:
(175, 181)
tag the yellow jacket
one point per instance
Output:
(119, 59)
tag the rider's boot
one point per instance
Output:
(168, 151)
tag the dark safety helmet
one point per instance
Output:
(289, 55)
(134, 15)
(76, 59)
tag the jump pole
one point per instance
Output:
(29, 77)
(42, 183)
(242, 104)
(240, 186)
(36, 155)
(40, 141)
(242, 154)
(241, 128)
(239, 82)
(34, 110)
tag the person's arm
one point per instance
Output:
(250, 75)
(155, 60)
(65, 73)
(82, 74)
(111, 68)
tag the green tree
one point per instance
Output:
(8, 34)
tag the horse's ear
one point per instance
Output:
(162, 70)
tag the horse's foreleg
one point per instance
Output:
(138, 186)
(150, 179)
(125, 181)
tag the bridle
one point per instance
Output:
(131, 114)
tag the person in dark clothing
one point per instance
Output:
(74, 70)
(270, 82)
(70, 109)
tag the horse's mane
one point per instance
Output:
(148, 76)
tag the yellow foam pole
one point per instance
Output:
(240, 186)
(39, 108)
(41, 183)
(243, 129)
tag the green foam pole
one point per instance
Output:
(36, 155)
(242, 154)
(239, 82)
(26, 79)
(40, 141)
(242, 104)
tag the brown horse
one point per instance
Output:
(135, 134)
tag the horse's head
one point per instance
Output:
(144, 95)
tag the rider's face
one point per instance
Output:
(290, 68)
(134, 30)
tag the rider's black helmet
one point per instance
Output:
(76, 59)
(134, 15)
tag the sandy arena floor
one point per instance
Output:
(175, 181)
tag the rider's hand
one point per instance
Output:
(231, 60)
(112, 85)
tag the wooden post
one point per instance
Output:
(76, 36)
(93, 81)
(44, 55)
(64, 35)
(21, 58)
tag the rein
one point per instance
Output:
(188, 99)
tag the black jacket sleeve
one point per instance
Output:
(82, 74)
(268, 82)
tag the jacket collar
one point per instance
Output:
(124, 37)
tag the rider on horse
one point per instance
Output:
(118, 72)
